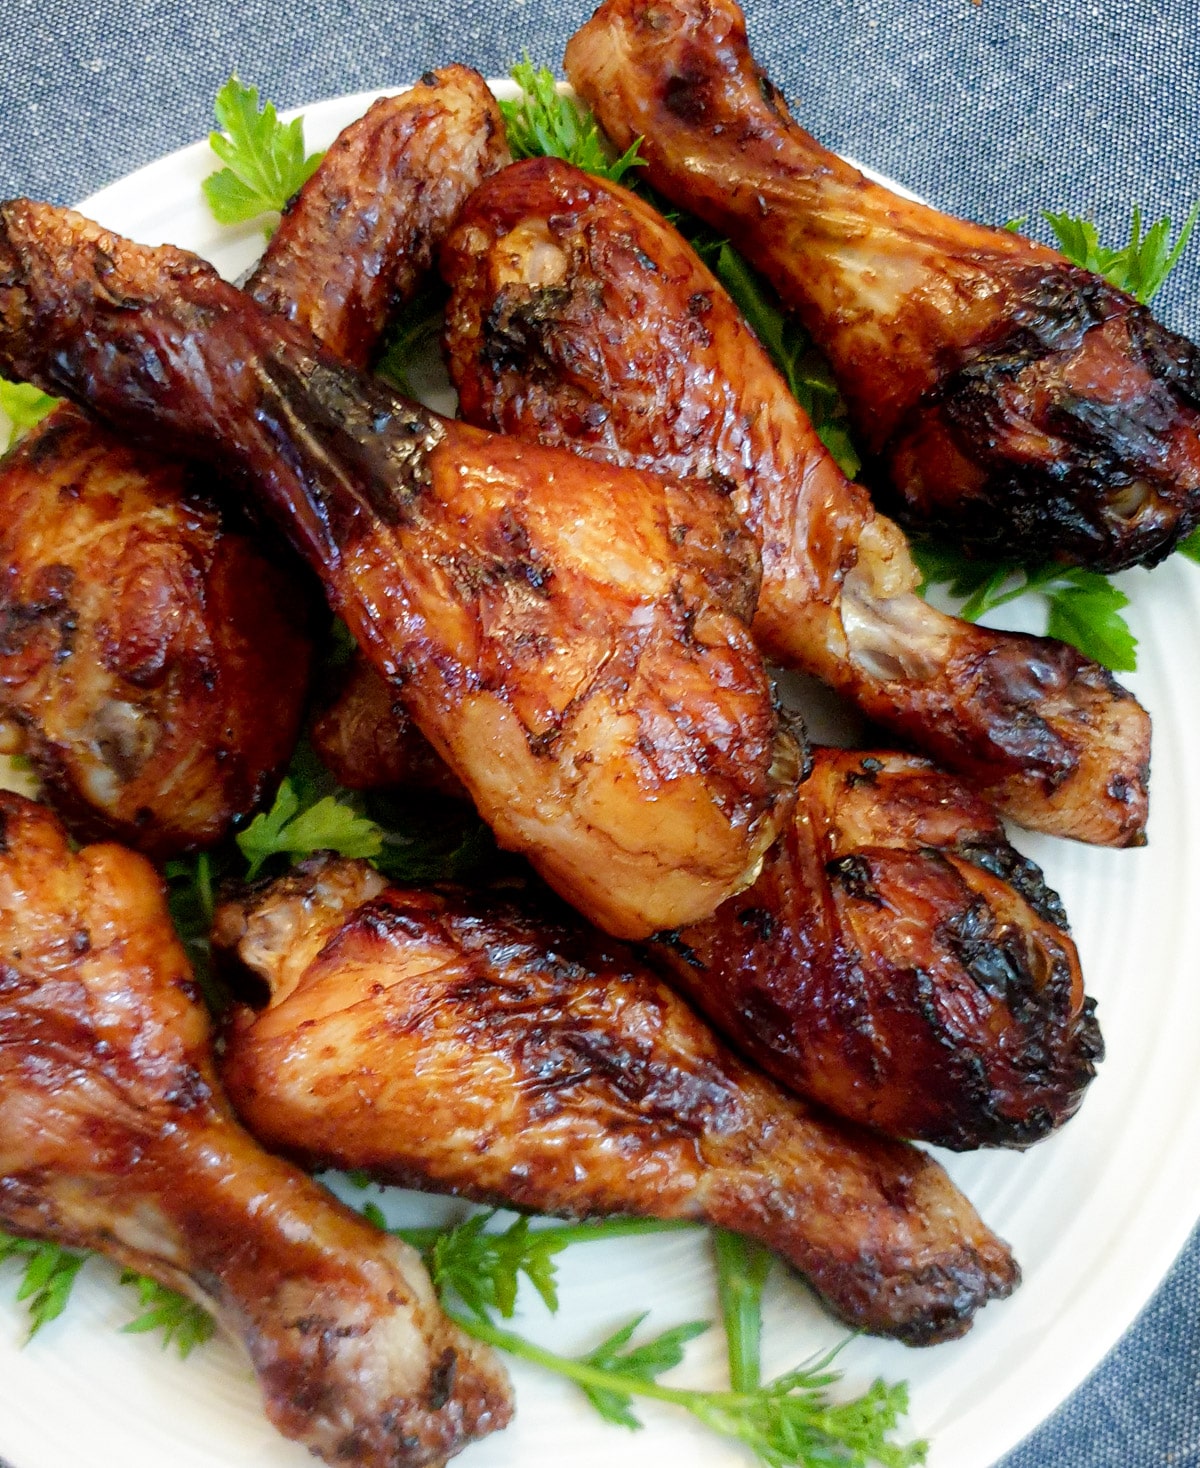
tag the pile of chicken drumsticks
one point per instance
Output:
(565, 603)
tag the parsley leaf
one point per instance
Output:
(22, 406)
(294, 830)
(1140, 266)
(543, 123)
(181, 1320)
(47, 1279)
(265, 162)
(483, 1269)
(1082, 607)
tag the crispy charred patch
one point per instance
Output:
(1011, 399)
(1074, 417)
(115, 1136)
(899, 962)
(615, 723)
(503, 1051)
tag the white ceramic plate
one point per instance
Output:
(1095, 1215)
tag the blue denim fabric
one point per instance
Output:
(994, 110)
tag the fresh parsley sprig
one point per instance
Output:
(182, 1322)
(1140, 266)
(265, 162)
(789, 1421)
(295, 830)
(1082, 607)
(482, 1267)
(543, 123)
(47, 1278)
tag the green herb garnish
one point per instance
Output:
(543, 123)
(742, 1269)
(23, 406)
(46, 1280)
(295, 830)
(1082, 607)
(182, 1322)
(790, 1420)
(265, 162)
(1140, 266)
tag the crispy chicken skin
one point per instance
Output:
(364, 736)
(899, 962)
(115, 1135)
(153, 663)
(566, 634)
(361, 236)
(580, 317)
(1012, 400)
(499, 1049)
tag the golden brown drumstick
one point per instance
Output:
(363, 233)
(114, 1135)
(580, 317)
(565, 633)
(152, 662)
(1011, 399)
(509, 1054)
(899, 962)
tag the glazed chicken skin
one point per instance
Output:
(153, 662)
(578, 316)
(115, 1136)
(567, 635)
(899, 962)
(1011, 400)
(361, 237)
(500, 1050)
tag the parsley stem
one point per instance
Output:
(599, 1378)
(593, 1231)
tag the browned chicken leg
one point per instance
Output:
(152, 662)
(505, 1052)
(1011, 399)
(566, 634)
(899, 962)
(580, 317)
(114, 1135)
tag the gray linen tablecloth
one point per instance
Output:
(993, 110)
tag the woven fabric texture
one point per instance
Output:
(995, 110)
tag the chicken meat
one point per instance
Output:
(116, 1136)
(899, 962)
(496, 1048)
(568, 635)
(153, 662)
(1007, 398)
(578, 316)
